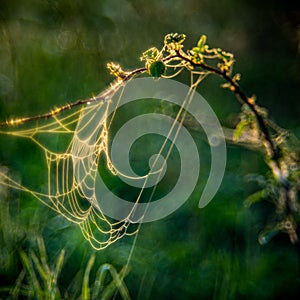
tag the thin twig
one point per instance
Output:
(104, 96)
(241, 95)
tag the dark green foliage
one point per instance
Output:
(193, 254)
(157, 69)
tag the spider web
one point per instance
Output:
(64, 187)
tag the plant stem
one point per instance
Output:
(272, 150)
(240, 95)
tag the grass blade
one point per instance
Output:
(85, 284)
(58, 267)
(30, 269)
(116, 283)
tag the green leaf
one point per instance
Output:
(150, 54)
(257, 196)
(175, 38)
(157, 69)
(241, 126)
(201, 43)
(196, 50)
(225, 55)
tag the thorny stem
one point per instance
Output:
(272, 149)
(241, 95)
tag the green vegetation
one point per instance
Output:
(238, 247)
(39, 280)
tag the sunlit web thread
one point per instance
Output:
(64, 195)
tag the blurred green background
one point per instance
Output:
(54, 52)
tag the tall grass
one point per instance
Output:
(39, 278)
